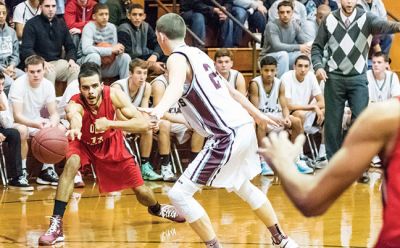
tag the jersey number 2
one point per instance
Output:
(212, 75)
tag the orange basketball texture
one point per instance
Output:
(49, 145)
(106, 60)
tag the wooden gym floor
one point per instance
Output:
(92, 220)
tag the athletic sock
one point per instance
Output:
(214, 243)
(164, 159)
(155, 208)
(276, 233)
(144, 160)
(59, 208)
(45, 166)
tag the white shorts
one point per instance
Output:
(272, 128)
(309, 119)
(32, 131)
(181, 132)
(227, 162)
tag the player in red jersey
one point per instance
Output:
(96, 137)
(370, 134)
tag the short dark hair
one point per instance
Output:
(2, 74)
(134, 6)
(138, 63)
(41, 2)
(268, 60)
(302, 57)
(98, 7)
(89, 69)
(34, 60)
(286, 4)
(381, 54)
(222, 52)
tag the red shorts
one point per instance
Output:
(115, 167)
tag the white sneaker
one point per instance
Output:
(78, 181)
(167, 174)
(286, 243)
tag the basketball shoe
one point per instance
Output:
(168, 212)
(20, 183)
(48, 177)
(286, 243)
(167, 174)
(148, 172)
(302, 166)
(78, 181)
(266, 170)
(55, 232)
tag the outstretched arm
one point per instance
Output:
(257, 115)
(313, 195)
(74, 113)
(135, 122)
(178, 68)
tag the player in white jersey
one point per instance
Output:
(223, 63)
(175, 121)
(268, 94)
(139, 91)
(218, 112)
(382, 84)
(305, 101)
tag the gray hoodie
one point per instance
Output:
(9, 47)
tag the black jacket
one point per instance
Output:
(47, 39)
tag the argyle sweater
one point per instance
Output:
(348, 47)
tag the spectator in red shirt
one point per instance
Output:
(77, 14)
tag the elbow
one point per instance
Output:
(310, 208)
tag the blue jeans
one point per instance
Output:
(196, 22)
(257, 23)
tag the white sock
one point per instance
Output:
(322, 151)
(24, 164)
(45, 166)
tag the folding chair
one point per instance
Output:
(3, 167)
(175, 158)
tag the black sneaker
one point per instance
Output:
(364, 178)
(47, 177)
(20, 183)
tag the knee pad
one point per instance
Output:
(181, 196)
(252, 195)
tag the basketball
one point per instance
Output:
(49, 145)
(106, 60)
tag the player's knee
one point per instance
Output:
(165, 126)
(23, 131)
(252, 195)
(72, 165)
(182, 198)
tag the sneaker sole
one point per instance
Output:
(30, 188)
(59, 239)
(42, 182)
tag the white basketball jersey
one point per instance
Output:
(268, 103)
(381, 90)
(206, 103)
(137, 99)
(233, 74)
(175, 109)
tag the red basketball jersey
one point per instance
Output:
(106, 109)
(390, 233)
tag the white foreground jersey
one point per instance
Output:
(381, 90)
(125, 87)
(268, 103)
(175, 109)
(206, 103)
